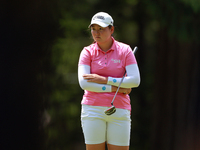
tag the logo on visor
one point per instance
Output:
(99, 17)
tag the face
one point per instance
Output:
(100, 34)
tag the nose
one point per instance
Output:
(96, 32)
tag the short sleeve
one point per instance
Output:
(85, 57)
(130, 57)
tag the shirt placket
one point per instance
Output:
(106, 59)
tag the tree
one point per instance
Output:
(176, 105)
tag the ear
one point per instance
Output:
(112, 29)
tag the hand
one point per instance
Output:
(95, 78)
(127, 90)
(122, 90)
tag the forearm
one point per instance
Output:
(95, 87)
(121, 90)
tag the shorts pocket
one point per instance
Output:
(122, 114)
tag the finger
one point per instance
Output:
(89, 80)
(86, 75)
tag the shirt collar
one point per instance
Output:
(113, 47)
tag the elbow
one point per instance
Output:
(83, 87)
(136, 82)
(83, 84)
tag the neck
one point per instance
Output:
(106, 46)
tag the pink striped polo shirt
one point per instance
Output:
(111, 63)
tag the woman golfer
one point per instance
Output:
(100, 70)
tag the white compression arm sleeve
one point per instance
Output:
(131, 80)
(90, 86)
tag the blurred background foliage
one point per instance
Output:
(43, 40)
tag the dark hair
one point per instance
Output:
(110, 26)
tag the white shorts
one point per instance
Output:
(98, 127)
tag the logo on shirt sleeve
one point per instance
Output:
(103, 88)
(114, 80)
